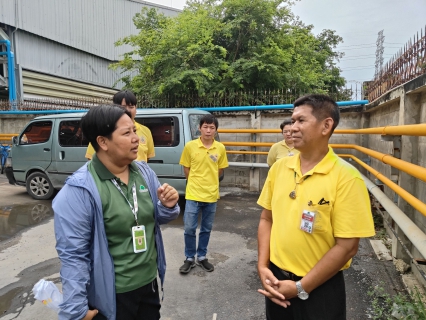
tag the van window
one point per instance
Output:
(36, 132)
(194, 124)
(164, 130)
(70, 134)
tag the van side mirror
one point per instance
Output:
(15, 140)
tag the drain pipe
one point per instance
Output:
(10, 70)
(213, 109)
(410, 229)
(44, 112)
(275, 107)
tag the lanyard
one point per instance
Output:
(134, 208)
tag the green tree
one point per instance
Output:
(218, 47)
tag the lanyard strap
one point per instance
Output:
(134, 208)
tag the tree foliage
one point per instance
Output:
(218, 47)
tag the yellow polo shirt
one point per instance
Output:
(280, 150)
(204, 164)
(146, 144)
(337, 195)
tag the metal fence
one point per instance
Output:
(238, 98)
(407, 64)
(230, 99)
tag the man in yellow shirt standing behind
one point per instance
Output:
(284, 148)
(203, 161)
(146, 150)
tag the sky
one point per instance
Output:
(358, 23)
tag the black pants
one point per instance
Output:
(327, 302)
(140, 304)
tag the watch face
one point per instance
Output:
(303, 295)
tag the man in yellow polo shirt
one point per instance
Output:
(127, 99)
(284, 148)
(316, 208)
(203, 161)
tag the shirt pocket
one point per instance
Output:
(322, 222)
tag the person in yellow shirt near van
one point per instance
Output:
(146, 150)
(315, 210)
(284, 148)
(203, 161)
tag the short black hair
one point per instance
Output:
(128, 96)
(101, 121)
(322, 107)
(209, 119)
(286, 122)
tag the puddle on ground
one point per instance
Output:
(6, 299)
(16, 218)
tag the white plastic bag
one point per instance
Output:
(48, 293)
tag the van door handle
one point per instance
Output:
(61, 155)
(155, 161)
(46, 149)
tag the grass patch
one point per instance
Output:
(399, 306)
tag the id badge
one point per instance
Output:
(307, 222)
(139, 239)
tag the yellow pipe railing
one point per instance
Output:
(6, 136)
(413, 201)
(247, 152)
(407, 130)
(412, 169)
(248, 144)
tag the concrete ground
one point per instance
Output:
(27, 254)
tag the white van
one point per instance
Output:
(50, 149)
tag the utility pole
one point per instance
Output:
(379, 54)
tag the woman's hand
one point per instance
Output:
(167, 195)
(90, 314)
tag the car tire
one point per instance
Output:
(39, 186)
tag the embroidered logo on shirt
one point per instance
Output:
(142, 189)
(142, 139)
(323, 201)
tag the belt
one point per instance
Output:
(290, 275)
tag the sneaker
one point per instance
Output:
(187, 266)
(206, 265)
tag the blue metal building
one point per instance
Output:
(62, 48)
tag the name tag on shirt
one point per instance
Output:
(307, 222)
(139, 239)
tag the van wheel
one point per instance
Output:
(39, 186)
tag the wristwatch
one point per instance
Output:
(302, 294)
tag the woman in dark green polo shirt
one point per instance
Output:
(107, 220)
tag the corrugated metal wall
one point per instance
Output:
(37, 85)
(39, 54)
(91, 26)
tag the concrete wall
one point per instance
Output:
(254, 178)
(13, 123)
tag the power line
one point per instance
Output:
(369, 44)
(364, 55)
(346, 70)
(360, 58)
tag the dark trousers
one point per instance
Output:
(327, 302)
(140, 304)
